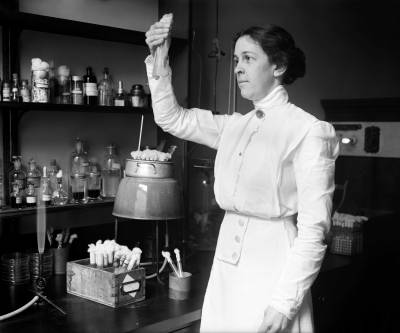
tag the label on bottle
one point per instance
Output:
(46, 197)
(30, 200)
(119, 102)
(18, 200)
(6, 94)
(90, 89)
(115, 165)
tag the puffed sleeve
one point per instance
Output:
(196, 125)
(314, 166)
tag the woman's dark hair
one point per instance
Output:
(280, 48)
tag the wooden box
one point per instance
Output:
(110, 286)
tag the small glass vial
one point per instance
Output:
(60, 195)
(16, 198)
(120, 97)
(77, 90)
(15, 97)
(137, 96)
(30, 197)
(94, 182)
(45, 191)
(6, 92)
(24, 91)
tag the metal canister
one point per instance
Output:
(137, 96)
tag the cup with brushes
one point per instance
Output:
(179, 281)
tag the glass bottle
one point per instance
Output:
(63, 93)
(16, 198)
(31, 196)
(77, 90)
(6, 92)
(40, 81)
(52, 172)
(24, 91)
(94, 181)
(137, 96)
(79, 173)
(33, 175)
(15, 97)
(89, 88)
(106, 89)
(60, 196)
(120, 97)
(17, 175)
(111, 173)
(45, 191)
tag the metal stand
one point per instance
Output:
(40, 285)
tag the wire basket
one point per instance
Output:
(14, 268)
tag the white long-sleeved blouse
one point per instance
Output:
(273, 162)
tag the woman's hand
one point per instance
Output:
(273, 322)
(159, 32)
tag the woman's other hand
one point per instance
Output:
(159, 32)
(273, 322)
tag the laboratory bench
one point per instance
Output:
(344, 301)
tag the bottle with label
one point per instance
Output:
(120, 97)
(111, 173)
(52, 172)
(16, 198)
(33, 175)
(17, 174)
(79, 173)
(60, 195)
(15, 96)
(6, 92)
(90, 88)
(24, 91)
(106, 89)
(31, 196)
(45, 191)
(77, 90)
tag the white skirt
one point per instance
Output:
(237, 294)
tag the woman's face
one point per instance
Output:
(254, 72)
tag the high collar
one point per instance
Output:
(277, 96)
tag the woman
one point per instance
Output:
(274, 177)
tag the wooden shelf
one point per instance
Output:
(13, 212)
(74, 28)
(73, 108)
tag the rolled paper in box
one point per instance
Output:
(60, 260)
(179, 288)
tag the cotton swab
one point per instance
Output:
(178, 260)
(167, 256)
